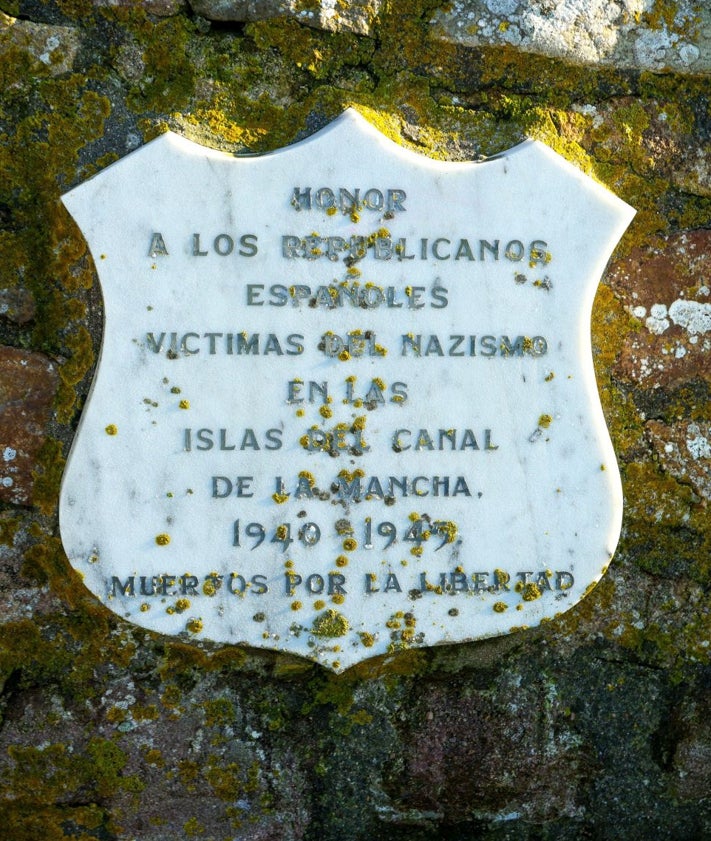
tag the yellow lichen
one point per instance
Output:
(194, 626)
(530, 592)
(331, 624)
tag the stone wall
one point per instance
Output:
(595, 725)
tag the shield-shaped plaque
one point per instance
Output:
(345, 403)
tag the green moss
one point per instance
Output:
(524, 74)
(219, 712)
(48, 476)
(655, 497)
(406, 44)
(668, 644)
(76, 9)
(598, 601)
(286, 666)
(329, 689)
(81, 359)
(610, 325)
(42, 246)
(226, 780)
(181, 661)
(169, 77)
(105, 764)
(24, 651)
(673, 552)
(335, 695)
(690, 401)
(632, 120)
(258, 89)
(40, 778)
(188, 774)
(28, 822)
(8, 529)
(43, 561)
(193, 828)
(662, 15)
(316, 54)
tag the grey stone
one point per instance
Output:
(159, 8)
(357, 16)
(684, 450)
(17, 305)
(28, 382)
(619, 34)
(54, 46)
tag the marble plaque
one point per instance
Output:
(345, 403)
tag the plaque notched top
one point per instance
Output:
(345, 403)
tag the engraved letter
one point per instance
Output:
(196, 247)
(157, 247)
(301, 199)
(126, 589)
(221, 487)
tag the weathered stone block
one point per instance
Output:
(55, 46)
(624, 34)
(354, 16)
(28, 382)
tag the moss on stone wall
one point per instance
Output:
(129, 725)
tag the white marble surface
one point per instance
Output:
(531, 489)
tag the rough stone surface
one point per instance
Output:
(666, 291)
(28, 382)
(355, 16)
(630, 33)
(18, 305)
(55, 46)
(690, 750)
(679, 153)
(159, 8)
(685, 451)
(594, 725)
